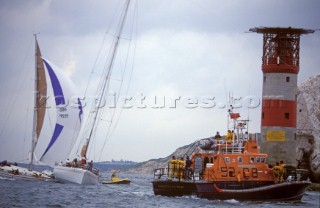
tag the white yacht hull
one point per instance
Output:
(16, 172)
(75, 175)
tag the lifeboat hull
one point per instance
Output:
(288, 191)
(174, 188)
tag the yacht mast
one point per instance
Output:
(34, 135)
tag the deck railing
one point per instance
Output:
(178, 174)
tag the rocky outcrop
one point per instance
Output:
(308, 127)
(150, 165)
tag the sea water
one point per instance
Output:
(139, 193)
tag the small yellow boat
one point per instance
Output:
(117, 181)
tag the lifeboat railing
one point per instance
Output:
(236, 146)
(182, 174)
(217, 148)
(179, 174)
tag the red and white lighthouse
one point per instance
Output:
(280, 67)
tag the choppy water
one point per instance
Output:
(14, 193)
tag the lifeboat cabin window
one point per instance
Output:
(263, 160)
(198, 164)
(205, 162)
(239, 159)
(251, 159)
(227, 160)
(258, 159)
(211, 160)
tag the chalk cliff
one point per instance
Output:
(308, 127)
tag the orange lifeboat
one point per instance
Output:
(225, 170)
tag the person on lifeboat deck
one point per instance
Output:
(282, 171)
(188, 168)
(181, 165)
(217, 136)
(276, 171)
(173, 167)
(228, 137)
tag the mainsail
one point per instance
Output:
(41, 91)
(68, 117)
(40, 98)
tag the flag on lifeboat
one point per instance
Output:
(234, 115)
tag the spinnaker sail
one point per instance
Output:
(68, 116)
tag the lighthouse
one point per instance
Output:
(280, 67)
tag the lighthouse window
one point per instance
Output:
(287, 79)
(286, 115)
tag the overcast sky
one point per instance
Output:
(188, 49)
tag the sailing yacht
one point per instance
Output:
(78, 171)
(66, 129)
